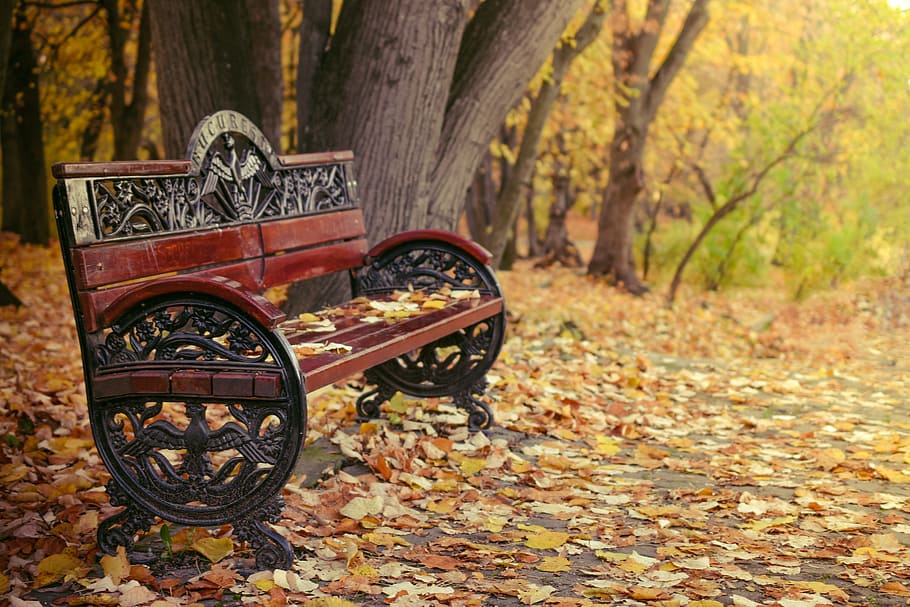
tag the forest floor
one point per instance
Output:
(739, 449)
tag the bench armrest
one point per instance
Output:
(472, 248)
(226, 289)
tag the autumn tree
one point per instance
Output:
(209, 57)
(508, 203)
(418, 90)
(639, 90)
(25, 201)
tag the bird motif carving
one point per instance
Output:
(198, 439)
(234, 169)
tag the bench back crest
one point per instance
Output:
(234, 208)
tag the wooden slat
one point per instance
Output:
(373, 344)
(296, 160)
(122, 168)
(301, 232)
(101, 265)
(309, 263)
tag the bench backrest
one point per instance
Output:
(233, 209)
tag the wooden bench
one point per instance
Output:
(196, 383)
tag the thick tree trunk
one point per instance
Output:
(613, 249)
(204, 61)
(503, 47)
(314, 37)
(25, 201)
(418, 93)
(265, 41)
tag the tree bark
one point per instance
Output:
(638, 97)
(314, 38)
(509, 201)
(204, 61)
(418, 93)
(128, 117)
(265, 41)
(504, 45)
(25, 202)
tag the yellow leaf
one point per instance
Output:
(472, 465)
(214, 548)
(895, 476)
(705, 603)
(365, 570)
(779, 521)
(433, 304)
(360, 507)
(117, 567)
(265, 584)
(307, 317)
(547, 540)
(555, 564)
(56, 567)
(4, 583)
(535, 594)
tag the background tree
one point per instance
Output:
(204, 53)
(418, 90)
(25, 196)
(639, 93)
(509, 202)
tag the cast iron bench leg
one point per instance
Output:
(199, 413)
(454, 366)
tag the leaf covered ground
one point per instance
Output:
(736, 450)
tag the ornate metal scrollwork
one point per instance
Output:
(235, 186)
(182, 333)
(454, 365)
(199, 459)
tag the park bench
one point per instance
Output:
(196, 382)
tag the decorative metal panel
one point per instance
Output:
(234, 177)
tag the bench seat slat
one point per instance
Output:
(375, 343)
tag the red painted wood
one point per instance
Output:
(289, 160)
(127, 168)
(94, 303)
(308, 263)
(105, 264)
(138, 382)
(468, 246)
(194, 383)
(301, 232)
(232, 384)
(376, 343)
(232, 292)
(267, 385)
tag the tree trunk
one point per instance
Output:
(503, 47)
(128, 117)
(638, 97)
(557, 246)
(25, 201)
(204, 61)
(314, 38)
(509, 202)
(265, 41)
(418, 93)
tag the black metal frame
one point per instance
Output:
(140, 435)
(453, 366)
